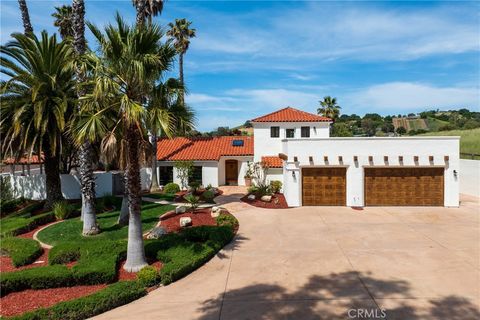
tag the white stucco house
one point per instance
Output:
(317, 169)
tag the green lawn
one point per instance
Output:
(469, 141)
(70, 230)
(161, 196)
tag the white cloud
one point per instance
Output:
(413, 96)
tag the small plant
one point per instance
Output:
(171, 188)
(194, 186)
(193, 200)
(252, 189)
(62, 210)
(208, 195)
(226, 220)
(275, 186)
(209, 187)
(148, 276)
(184, 171)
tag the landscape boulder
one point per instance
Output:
(251, 197)
(185, 221)
(157, 232)
(180, 209)
(266, 198)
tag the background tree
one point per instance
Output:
(329, 108)
(181, 32)
(64, 21)
(37, 101)
(401, 131)
(131, 58)
(27, 25)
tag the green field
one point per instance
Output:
(469, 141)
(435, 124)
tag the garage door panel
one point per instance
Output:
(324, 186)
(404, 186)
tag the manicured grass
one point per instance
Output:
(469, 141)
(71, 230)
(161, 196)
(21, 223)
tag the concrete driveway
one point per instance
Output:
(332, 263)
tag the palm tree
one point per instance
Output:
(181, 33)
(131, 58)
(161, 103)
(329, 108)
(147, 9)
(87, 178)
(27, 25)
(37, 101)
(64, 21)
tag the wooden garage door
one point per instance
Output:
(324, 186)
(404, 186)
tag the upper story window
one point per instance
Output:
(305, 132)
(290, 133)
(274, 132)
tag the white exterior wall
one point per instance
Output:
(209, 171)
(378, 147)
(242, 168)
(264, 145)
(275, 174)
(33, 186)
(470, 177)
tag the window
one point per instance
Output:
(290, 133)
(166, 174)
(305, 132)
(196, 175)
(237, 143)
(274, 132)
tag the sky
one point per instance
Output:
(254, 57)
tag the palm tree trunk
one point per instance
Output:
(180, 67)
(135, 251)
(27, 25)
(154, 186)
(140, 7)
(87, 177)
(52, 176)
(123, 217)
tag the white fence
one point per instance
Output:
(33, 186)
(470, 177)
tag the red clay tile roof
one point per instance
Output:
(290, 114)
(273, 161)
(203, 148)
(34, 159)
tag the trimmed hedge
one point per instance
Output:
(15, 225)
(113, 296)
(22, 251)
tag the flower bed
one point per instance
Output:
(201, 217)
(278, 202)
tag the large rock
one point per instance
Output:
(215, 209)
(251, 197)
(216, 213)
(157, 232)
(266, 198)
(180, 209)
(185, 221)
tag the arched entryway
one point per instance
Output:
(231, 172)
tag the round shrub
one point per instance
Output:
(208, 195)
(171, 188)
(275, 186)
(148, 276)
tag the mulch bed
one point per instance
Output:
(6, 264)
(16, 303)
(201, 217)
(278, 202)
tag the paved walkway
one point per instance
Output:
(328, 262)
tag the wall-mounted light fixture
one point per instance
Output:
(446, 158)
(415, 158)
(295, 159)
(355, 158)
(310, 159)
(455, 173)
(293, 174)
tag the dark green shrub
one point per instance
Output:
(113, 296)
(194, 186)
(36, 278)
(275, 186)
(226, 220)
(64, 253)
(109, 200)
(22, 251)
(62, 210)
(192, 200)
(171, 188)
(208, 196)
(148, 276)
(15, 225)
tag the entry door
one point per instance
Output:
(231, 172)
(324, 186)
(404, 186)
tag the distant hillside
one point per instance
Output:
(469, 141)
(410, 123)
